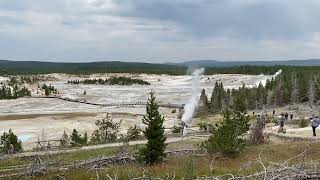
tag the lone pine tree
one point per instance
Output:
(153, 152)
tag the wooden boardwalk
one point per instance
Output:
(168, 105)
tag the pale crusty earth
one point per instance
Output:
(30, 117)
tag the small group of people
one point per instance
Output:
(314, 121)
(283, 118)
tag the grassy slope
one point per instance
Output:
(183, 166)
(194, 166)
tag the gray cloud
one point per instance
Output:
(159, 30)
(239, 19)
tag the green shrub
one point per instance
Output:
(205, 127)
(303, 123)
(77, 139)
(65, 140)
(176, 129)
(107, 131)
(227, 137)
(133, 133)
(9, 143)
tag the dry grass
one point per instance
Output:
(192, 166)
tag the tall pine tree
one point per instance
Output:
(153, 152)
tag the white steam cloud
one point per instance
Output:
(277, 73)
(190, 107)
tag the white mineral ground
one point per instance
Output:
(28, 117)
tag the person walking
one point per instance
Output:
(314, 124)
(281, 122)
(291, 116)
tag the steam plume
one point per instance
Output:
(190, 107)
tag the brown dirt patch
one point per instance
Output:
(32, 116)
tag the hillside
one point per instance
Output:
(216, 63)
(212, 67)
(34, 67)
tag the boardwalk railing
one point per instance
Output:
(169, 105)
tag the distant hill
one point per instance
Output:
(212, 67)
(34, 67)
(216, 63)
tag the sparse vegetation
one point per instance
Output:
(133, 133)
(304, 123)
(205, 127)
(107, 131)
(14, 92)
(176, 129)
(48, 90)
(121, 80)
(65, 140)
(9, 143)
(76, 139)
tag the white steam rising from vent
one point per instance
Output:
(192, 104)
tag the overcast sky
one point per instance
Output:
(159, 30)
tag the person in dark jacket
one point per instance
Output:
(291, 116)
(314, 124)
(281, 122)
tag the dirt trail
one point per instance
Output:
(53, 152)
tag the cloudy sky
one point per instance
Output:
(159, 30)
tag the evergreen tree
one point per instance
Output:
(84, 140)
(204, 98)
(212, 100)
(239, 103)
(9, 143)
(75, 138)
(295, 92)
(153, 152)
(65, 141)
(270, 99)
(133, 133)
(227, 137)
(96, 137)
(108, 130)
(228, 98)
(15, 91)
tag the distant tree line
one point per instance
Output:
(121, 80)
(7, 92)
(293, 87)
(27, 68)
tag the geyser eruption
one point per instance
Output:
(277, 73)
(190, 107)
